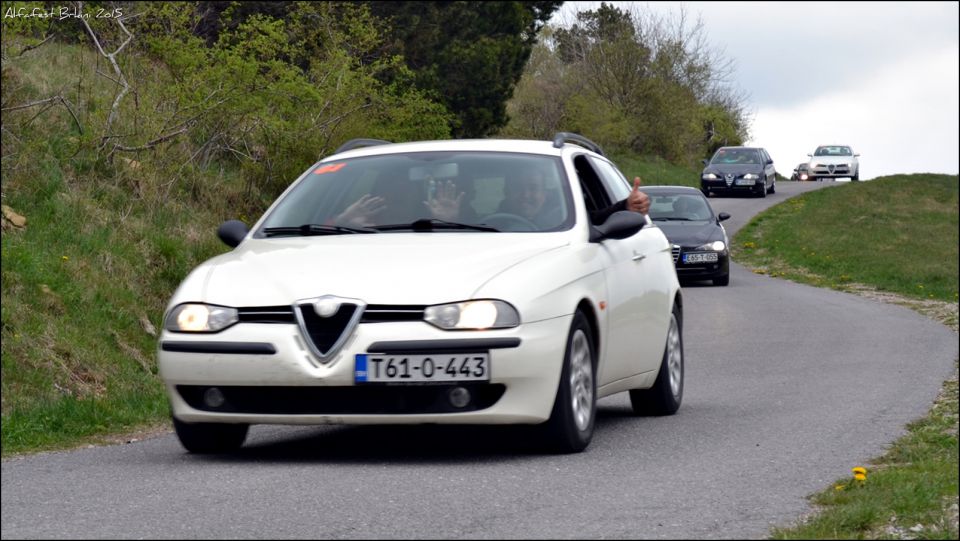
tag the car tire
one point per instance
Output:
(773, 188)
(571, 423)
(856, 177)
(203, 438)
(722, 281)
(665, 396)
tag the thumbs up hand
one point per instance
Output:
(638, 201)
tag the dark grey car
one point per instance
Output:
(739, 170)
(701, 249)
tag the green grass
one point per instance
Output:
(103, 249)
(896, 233)
(653, 171)
(896, 236)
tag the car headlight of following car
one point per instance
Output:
(751, 176)
(472, 315)
(715, 246)
(199, 317)
(709, 176)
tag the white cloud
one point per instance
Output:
(881, 77)
(903, 120)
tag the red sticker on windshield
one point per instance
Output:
(329, 168)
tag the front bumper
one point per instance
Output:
(832, 171)
(291, 386)
(732, 186)
(699, 270)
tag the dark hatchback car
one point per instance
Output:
(701, 250)
(739, 170)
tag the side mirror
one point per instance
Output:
(232, 232)
(856, 155)
(811, 155)
(769, 162)
(705, 162)
(723, 216)
(620, 225)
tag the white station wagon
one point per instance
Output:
(459, 282)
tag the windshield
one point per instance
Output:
(478, 192)
(680, 207)
(833, 151)
(727, 156)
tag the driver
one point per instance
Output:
(524, 194)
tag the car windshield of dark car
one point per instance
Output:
(679, 208)
(726, 156)
(476, 192)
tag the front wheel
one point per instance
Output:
(773, 188)
(570, 427)
(204, 438)
(667, 392)
(722, 281)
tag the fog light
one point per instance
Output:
(459, 397)
(213, 398)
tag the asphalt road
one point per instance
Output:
(787, 388)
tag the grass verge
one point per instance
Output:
(829, 238)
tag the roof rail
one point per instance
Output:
(357, 143)
(562, 137)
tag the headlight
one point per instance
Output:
(710, 176)
(193, 317)
(472, 315)
(750, 176)
(715, 246)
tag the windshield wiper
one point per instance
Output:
(672, 218)
(431, 224)
(307, 230)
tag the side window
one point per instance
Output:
(613, 181)
(594, 193)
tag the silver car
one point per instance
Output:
(834, 161)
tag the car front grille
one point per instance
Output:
(831, 169)
(325, 332)
(357, 400)
(373, 313)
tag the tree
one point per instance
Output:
(632, 81)
(467, 55)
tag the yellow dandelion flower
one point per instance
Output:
(838, 487)
(859, 473)
(65, 258)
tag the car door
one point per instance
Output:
(769, 171)
(636, 318)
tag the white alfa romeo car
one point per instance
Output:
(460, 282)
(834, 161)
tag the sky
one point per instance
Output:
(881, 77)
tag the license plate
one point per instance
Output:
(742, 182)
(441, 368)
(708, 257)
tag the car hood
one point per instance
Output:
(691, 234)
(386, 268)
(733, 168)
(827, 160)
